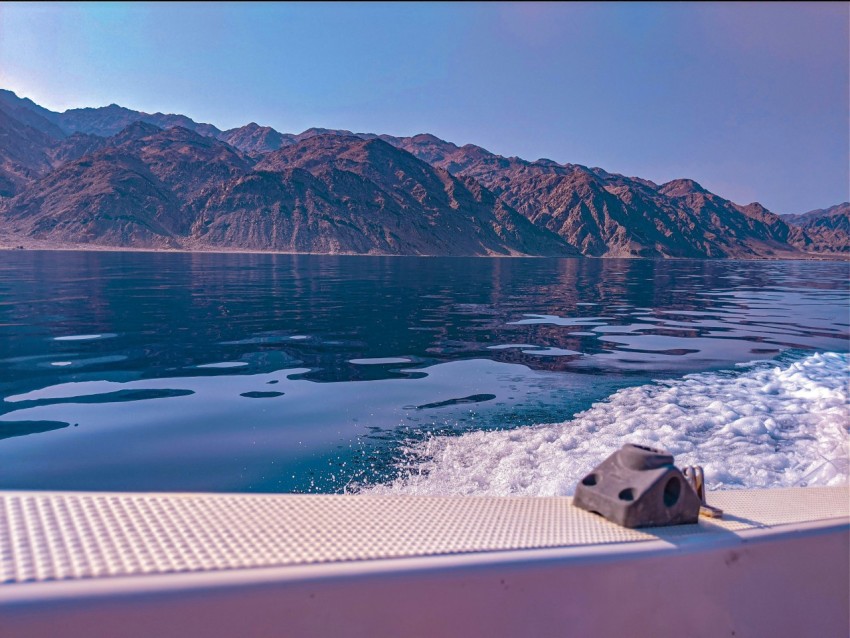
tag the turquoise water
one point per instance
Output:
(248, 372)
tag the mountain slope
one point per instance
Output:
(110, 198)
(294, 210)
(28, 112)
(459, 216)
(810, 218)
(609, 215)
(74, 147)
(186, 161)
(23, 154)
(133, 189)
(255, 139)
(825, 230)
(109, 120)
(148, 187)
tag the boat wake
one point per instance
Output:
(764, 424)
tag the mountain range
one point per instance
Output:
(115, 177)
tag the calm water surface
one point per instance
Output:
(236, 372)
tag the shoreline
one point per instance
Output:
(35, 245)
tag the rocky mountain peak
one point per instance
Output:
(427, 138)
(681, 188)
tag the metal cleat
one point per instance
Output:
(696, 478)
(639, 486)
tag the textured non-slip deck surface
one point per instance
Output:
(60, 536)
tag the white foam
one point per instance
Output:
(764, 425)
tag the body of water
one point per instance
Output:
(282, 373)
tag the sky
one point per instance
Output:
(750, 100)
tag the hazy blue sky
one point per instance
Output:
(751, 100)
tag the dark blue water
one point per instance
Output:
(248, 372)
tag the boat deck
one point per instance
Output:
(76, 557)
(70, 536)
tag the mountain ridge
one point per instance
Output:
(499, 205)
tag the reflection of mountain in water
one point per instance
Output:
(267, 312)
(473, 398)
(9, 429)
